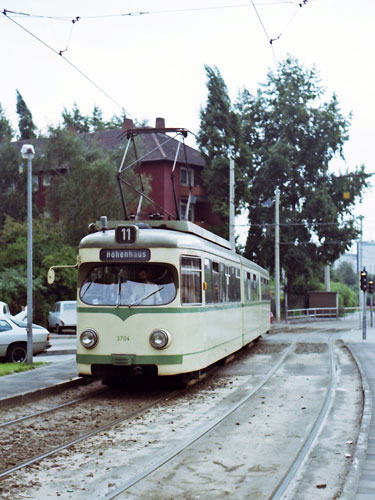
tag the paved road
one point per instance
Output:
(63, 348)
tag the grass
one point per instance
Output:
(9, 368)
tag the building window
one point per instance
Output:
(186, 177)
(46, 180)
(190, 216)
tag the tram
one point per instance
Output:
(163, 298)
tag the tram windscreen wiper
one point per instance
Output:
(146, 297)
(118, 298)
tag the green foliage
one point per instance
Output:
(48, 250)
(294, 135)
(9, 368)
(13, 184)
(219, 139)
(75, 121)
(25, 122)
(344, 274)
(84, 185)
(6, 131)
(284, 136)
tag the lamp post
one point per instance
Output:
(277, 253)
(28, 153)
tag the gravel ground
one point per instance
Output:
(244, 457)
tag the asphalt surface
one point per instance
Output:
(62, 371)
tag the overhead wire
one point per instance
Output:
(266, 33)
(155, 12)
(59, 53)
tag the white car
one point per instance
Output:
(13, 339)
(64, 316)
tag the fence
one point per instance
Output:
(312, 313)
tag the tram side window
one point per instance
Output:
(265, 291)
(224, 282)
(252, 288)
(247, 286)
(213, 279)
(191, 280)
(255, 287)
(215, 282)
(234, 285)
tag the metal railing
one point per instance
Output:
(312, 313)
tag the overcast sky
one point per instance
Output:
(152, 64)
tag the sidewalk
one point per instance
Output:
(29, 385)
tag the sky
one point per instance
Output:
(148, 57)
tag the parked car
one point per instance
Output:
(4, 309)
(64, 316)
(13, 339)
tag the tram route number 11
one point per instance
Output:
(125, 234)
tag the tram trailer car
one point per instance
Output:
(164, 298)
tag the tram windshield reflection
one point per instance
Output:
(129, 285)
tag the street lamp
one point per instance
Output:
(28, 153)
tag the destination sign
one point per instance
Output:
(126, 234)
(121, 255)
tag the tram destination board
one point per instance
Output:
(124, 255)
(126, 234)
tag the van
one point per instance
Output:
(4, 309)
(64, 316)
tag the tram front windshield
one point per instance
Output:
(129, 285)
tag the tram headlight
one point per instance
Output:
(89, 338)
(159, 339)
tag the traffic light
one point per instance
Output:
(370, 286)
(363, 280)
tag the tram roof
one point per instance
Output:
(162, 233)
(181, 226)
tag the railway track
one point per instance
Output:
(169, 440)
(201, 433)
(48, 425)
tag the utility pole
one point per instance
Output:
(28, 152)
(364, 288)
(277, 253)
(327, 278)
(360, 265)
(231, 205)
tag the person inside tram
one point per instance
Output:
(144, 291)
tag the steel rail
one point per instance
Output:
(54, 408)
(203, 431)
(283, 485)
(89, 434)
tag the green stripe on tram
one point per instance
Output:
(129, 359)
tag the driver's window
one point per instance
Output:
(129, 285)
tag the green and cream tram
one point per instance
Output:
(164, 298)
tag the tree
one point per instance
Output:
(6, 131)
(219, 139)
(344, 274)
(75, 121)
(84, 183)
(13, 183)
(25, 122)
(48, 249)
(293, 135)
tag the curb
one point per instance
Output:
(354, 476)
(28, 397)
(57, 352)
